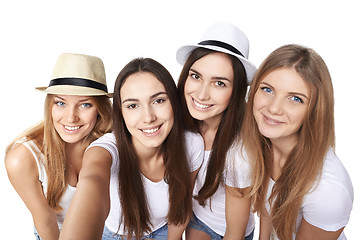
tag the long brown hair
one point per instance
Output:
(52, 146)
(136, 216)
(232, 117)
(315, 137)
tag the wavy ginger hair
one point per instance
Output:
(52, 146)
(316, 135)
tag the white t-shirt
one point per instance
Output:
(329, 203)
(69, 193)
(214, 216)
(157, 192)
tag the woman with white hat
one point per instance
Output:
(301, 189)
(44, 162)
(212, 88)
(153, 162)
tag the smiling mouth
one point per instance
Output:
(71, 128)
(201, 106)
(271, 120)
(151, 130)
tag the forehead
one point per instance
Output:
(286, 79)
(141, 84)
(73, 98)
(214, 64)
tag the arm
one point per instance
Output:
(309, 232)
(237, 210)
(175, 232)
(91, 203)
(24, 176)
(265, 226)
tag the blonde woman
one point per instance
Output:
(301, 188)
(44, 162)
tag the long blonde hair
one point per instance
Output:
(52, 146)
(315, 137)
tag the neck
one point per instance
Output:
(281, 151)
(151, 163)
(208, 130)
(75, 150)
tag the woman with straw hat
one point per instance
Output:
(212, 88)
(44, 162)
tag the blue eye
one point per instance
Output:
(87, 105)
(59, 103)
(266, 89)
(297, 99)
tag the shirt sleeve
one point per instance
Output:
(237, 168)
(328, 207)
(194, 144)
(108, 142)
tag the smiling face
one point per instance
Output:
(280, 104)
(209, 86)
(74, 117)
(146, 110)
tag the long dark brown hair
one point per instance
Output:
(232, 118)
(135, 212)
(315, 137)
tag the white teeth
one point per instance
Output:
(150, 130)
(72, 128)
(201, 105)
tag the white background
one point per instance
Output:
(34, 33)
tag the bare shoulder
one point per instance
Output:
(19, 161)
(97, 154)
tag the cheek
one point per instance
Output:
(129, 119)
(189, 86)
(93, 117)
(171, 118)
(54, 114)
(298, 117)
(225, 97)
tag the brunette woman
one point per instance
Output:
(153, 162)
(212, 88)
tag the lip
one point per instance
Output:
(151, 131)
(72, 129)
(272, 121)
(200, 106)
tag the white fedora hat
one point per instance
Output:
(222, 37)
(77, 74)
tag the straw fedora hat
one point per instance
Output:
(77, 74)
(222, 37)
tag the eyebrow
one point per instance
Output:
(216, 78)
(292, 93)
(151, 97)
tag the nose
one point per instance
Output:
(204, 92)
(72, 115)
(276, 106)
(148, 114)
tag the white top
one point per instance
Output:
(157, 192)
(214, 215)
(69, 193)
(329, 203)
